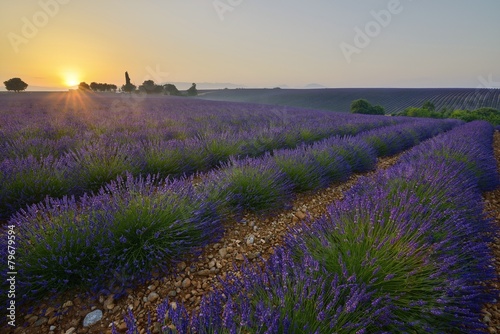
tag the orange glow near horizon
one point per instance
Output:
(55, 44)
(71, 78)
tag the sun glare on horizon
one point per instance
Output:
(71, 79)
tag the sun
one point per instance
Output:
(71, 78)
(71, 81)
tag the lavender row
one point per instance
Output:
(131, 227)
(57, 129)
(48, 127)
(268, 183)
(29, 180)
(103, 243)
(404, 252)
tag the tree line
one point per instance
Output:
(147, 87)
(150, 87)
(428, 110)
(98, 87)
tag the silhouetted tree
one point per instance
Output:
(102, 87)
(362, 106)
(84, 86)
(192, 91)
(149, 87)
(171, 90)
(128, 87)
(15, 84)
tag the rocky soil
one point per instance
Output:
(253, 238)
(491, 312)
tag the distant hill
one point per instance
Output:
(314, 85)
(339, 99)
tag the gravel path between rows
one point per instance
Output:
(252, 238)
(491, 312)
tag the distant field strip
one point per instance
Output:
(394, 100)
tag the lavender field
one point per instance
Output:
(105, 190)
(70, 144)
(404, 252)
(394, 100)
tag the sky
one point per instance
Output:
(55, 44)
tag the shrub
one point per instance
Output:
(473, 150)
(301, 168)
(58, 248)
(255, 185)
(163, 158)
(153, 227)
(362, 106)
(220, 148)
(96, 165)
(334, 166)
(360, 155)
(111, 240)
(28, 180)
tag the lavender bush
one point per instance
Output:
(95, 165)
(301, 168)
(288, 296)
(394, 139)
(334, 166)
(253, 184)
(470, 144)
(113, 239)
(360, 155)
(20, 183)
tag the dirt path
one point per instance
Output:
(491, 312)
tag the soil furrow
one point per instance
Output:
(491, 312)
